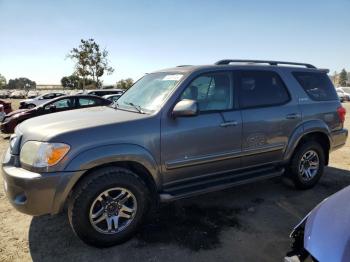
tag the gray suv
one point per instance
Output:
(175, 133)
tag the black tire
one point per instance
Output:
(299, 181)
(30, 106)
(90, 188)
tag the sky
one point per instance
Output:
(144, 36)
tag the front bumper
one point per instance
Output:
(36, 193)
(298, 253)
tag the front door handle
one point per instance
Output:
(229, 123)
(292, 116)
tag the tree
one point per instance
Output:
(343, 77)
(72, 82)
(2, 81)
(21, 83)
(91, 61)
(125, 83)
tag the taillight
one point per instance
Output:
(341, 113)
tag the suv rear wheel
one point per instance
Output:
(107, 207)
(307, 165)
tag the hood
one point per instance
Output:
(17, 112)
(44, 127)
(327, 230)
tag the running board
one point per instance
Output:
(218, 183)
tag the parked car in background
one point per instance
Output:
(346, 89)
(32, 94)
(4, 93)
(2, 112)
(31, 103)
(112, 98)
(324, 234)
(345, 94)
(102, 92)
(18, 94)
(6, 106)
(341, 96)
(175, 133)
(60, 104)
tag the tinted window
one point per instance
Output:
(87, 102)
(317, 85)
(49, 96)
(261, 88)
(211, 91)
(114, 98)
(60, 104)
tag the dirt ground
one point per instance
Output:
(245, 223)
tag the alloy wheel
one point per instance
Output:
(309, 165)
(113, 210)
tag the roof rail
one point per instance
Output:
(182, 65)
(275, 63)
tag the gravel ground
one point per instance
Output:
(246, 223)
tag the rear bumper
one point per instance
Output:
(338, 138)
(36, 193)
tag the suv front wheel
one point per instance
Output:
(307, 165)
(108, 206)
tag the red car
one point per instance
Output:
(6, 105)
(62, 103)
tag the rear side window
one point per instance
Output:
(317, 85)
(87, 102)
(261, 88)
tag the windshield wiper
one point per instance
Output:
(137, 107)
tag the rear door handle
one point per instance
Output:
(292, 116)
(230, 123)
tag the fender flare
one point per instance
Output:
(303, 129)
(101, 155)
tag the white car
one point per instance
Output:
(113, 97)
(18, 94)
(2, 113)
(344, 91)
(31, 103)
(32, 94)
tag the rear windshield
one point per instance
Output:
(317, 85)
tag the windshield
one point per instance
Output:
(149, 93)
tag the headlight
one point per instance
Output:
(13, 139)
(42, 154)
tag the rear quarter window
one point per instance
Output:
(317, 85)
(261, 89)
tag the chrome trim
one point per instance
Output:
(191, 161)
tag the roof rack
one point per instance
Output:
(182, 65)
(274, 63)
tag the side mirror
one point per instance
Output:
(185, 107)
(52, 108)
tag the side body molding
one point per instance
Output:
(304, 129)
(113, 153)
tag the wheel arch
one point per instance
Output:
(137, 160)
(313, 130)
